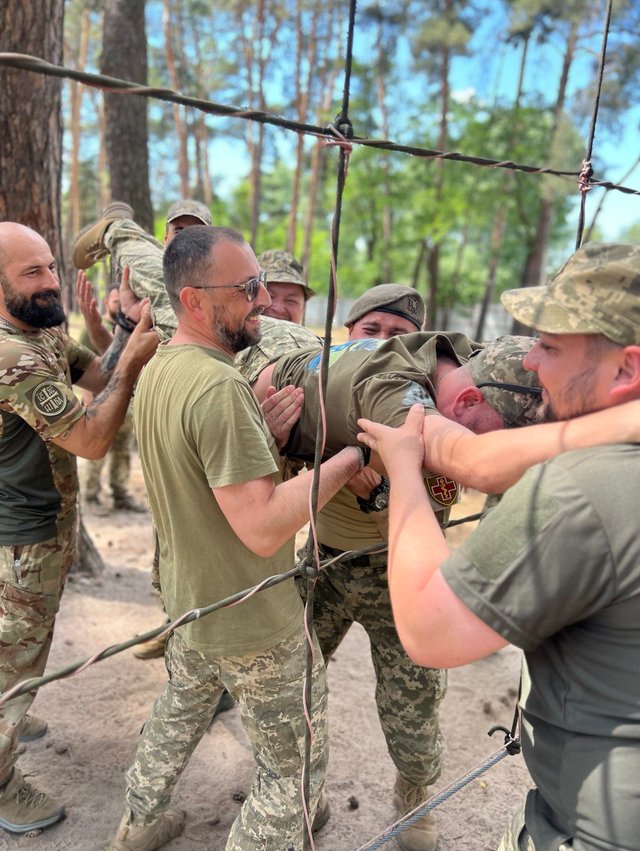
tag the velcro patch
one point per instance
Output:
(442, 490)
(48, 399)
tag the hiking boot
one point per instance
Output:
(423, 834)
(23, 808)
(152, 649)
(124, 502)
(89, 245)
(322, 814)
(148, 837)
(32, 728)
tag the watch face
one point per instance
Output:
(381, 501)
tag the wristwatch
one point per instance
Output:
(378, 498)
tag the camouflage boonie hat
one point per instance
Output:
(389, 298)
(283, 268)
(510, 389)
(597, 291)
(279, 337)
(189, 208)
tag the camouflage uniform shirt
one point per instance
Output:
(38, 480)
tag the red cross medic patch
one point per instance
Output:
(442, 490)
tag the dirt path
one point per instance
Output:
(95, 717)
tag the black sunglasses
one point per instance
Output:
(250, 288)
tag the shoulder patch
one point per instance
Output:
(48, 399)
(442, 490)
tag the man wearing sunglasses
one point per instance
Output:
(225, 523)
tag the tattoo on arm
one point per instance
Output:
(94, 408)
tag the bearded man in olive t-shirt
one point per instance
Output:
(225, 522)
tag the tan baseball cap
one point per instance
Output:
(283, 268)
(185, 207)
(597, 291)
(389, 298)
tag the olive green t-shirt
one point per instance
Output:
(555, 569)
(199, 427)
(376, 379)
(38, 479)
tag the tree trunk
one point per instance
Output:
(31, 122)
(88, 561)
(124, 55)
(31, 139)
(170, 28)
(534, 266)
(75, 98)
(500, 221)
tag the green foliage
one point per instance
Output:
(221, 44)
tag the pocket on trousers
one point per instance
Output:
(22, 612)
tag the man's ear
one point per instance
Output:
(191, 300)
(466, 398)
(626, 384)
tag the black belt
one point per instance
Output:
(357, 561)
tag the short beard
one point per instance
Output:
(28, 311)
(237, 341)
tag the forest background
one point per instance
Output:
(503, 79)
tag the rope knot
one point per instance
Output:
(584, 178)
(307, 567)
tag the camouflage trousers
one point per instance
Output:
(518, 838)
(268, 688)
(131, 246)
(32, 578)
(407, 695)
(119, 456)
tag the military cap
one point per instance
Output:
(510, 389)
(597, 291)
(389, 298)
(186, 207)
(283, 268)
(279, 337)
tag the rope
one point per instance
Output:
(113, 85)
(584, 180)
(416, 814)
(345, 130)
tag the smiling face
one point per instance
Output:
(235, 321)
(380, 325)
(575, 371)
(29, 278)
(287, 301)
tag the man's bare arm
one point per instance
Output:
(265, 516)
(92, 434)
(436, 628)
(495, 461)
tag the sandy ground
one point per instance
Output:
(95, 717)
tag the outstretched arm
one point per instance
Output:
(494, 461)
(435, 627)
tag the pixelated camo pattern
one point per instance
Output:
(596, 291)
(130, 246)
(268, 688)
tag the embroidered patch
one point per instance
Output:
(48, 399)
(442, 490)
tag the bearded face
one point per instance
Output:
(42, 309)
